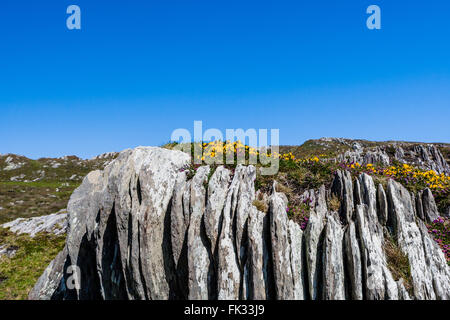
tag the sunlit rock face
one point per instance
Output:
(145, 229)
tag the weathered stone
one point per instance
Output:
(382, 205)
(259, 257)
(246, 197)
(402, 292)
(357, 196)
(438, 268)
(229, 273)
(217, 193)
(353, 257)
(55, 223)
(359, 155)
(199, 259)
(118, 220)
(179, 217)
(140, 229)
(8, 251)
(430, 210)
(281, 251)
(297, 265)
(343, 188)
(372, 254)
(419, 205)
(409, 239)
(333, 260)
(314, 239)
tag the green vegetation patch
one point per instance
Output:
(19, 273)
(31, 199)
(398, 262)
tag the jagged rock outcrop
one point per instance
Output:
(314, 240)
(333, 260)
(429, 281)
(259, 256)
(199, 257)
(144, 229)
(429, 206)
(342, 187)
(55, 223)
(424, 156)
(364, 156)
(408, 236)
(353, 261)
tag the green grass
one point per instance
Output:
(40, 184)
(19, 274)
(43, 189)
(29, 199)
(398, 262)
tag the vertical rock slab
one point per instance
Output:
(409, 239)
(419, 205)
(353, 259)
(157, 170)
(259, 256)
(333, 260)
(281, 250)
(217, 193)
(379, 283)
(430, 210)
(179, 223)
(108, 255)
(402, 292)
(382, 205)
(357, 193)
(437, 264)
(371, 253)
(179, 217)
(245, 203)
(129, 239)
(391, 285)
(297, 265)
(229, 272)
(343, 188)
(199, 260)
(314, 238)
(83, 208)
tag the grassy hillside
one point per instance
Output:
(31, 188)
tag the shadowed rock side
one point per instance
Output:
(141, 229)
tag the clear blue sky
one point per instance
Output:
(140, 69)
